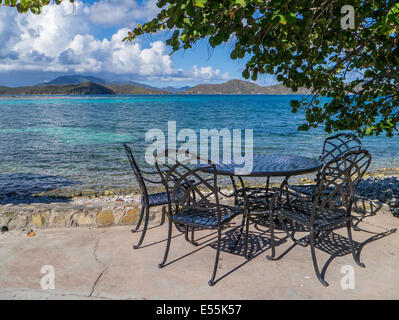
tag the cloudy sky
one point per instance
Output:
(86, 38)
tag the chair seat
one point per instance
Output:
(159, 199)
(205, 218)
(324, 219)
(306, 189)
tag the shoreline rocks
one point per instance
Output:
(374, 193)
(100, 212)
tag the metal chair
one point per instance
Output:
(199, 207)
(322, 211)
(147, 200)
(333, 147)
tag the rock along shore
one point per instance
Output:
(378, 192)
(100, 211)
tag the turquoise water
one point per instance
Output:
(51, 142)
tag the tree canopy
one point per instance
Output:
(35, 6)
(303, 44)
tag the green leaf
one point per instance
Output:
(36, 9)
(183, 37)
(241, 3)
(200, 3)
(291, 18)
(282, 19)
(187, 21)
(233, 54)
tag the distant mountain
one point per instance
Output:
(132, 83)
(241, 87)
(82, 85)
(69, 89)
(75, 79)
(78, 79)
(128, 88)
(85, 88)
(176, 90)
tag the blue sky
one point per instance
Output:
(86, 39)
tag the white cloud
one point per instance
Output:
(60, 40)
(207, 73)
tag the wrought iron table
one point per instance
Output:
(267, 165)
(264, 165)
(270, 165)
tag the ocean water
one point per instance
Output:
(76, 142)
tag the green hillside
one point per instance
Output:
(86, 88)
(241, 87)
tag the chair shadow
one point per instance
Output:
(258, 243)
(174, 236)
(337, 245)
(330, 242)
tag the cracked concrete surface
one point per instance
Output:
(100, 263)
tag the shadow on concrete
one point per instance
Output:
(331, 243)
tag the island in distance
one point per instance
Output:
(89, 85)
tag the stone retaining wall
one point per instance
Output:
(101, 212)
(104, 212)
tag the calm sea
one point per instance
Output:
(77, 141)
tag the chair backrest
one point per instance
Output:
(187, 186)
(136, 170)
(336, 145)
(339, 179)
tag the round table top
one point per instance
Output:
(269, 165)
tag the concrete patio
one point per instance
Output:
(99, 263)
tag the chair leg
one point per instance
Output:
(195, 243)
(147, 214)
(234, 244)
(272, 241)
(247, 256)
(163, 218)
(302, 243)
(140, 219)
(355, 227)
(186, 234)
(165, 257)
(316, 267)
(212, 281)
(355, 256)
(186, 231)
